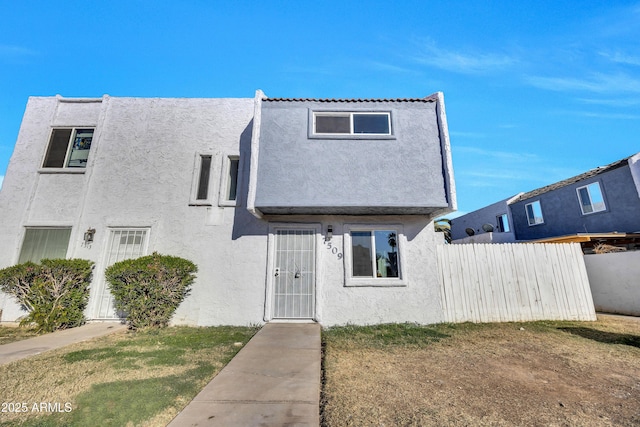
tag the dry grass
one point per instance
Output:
(11, 333)
(546, 374)
(124, 378)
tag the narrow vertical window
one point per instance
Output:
(203, 178)
(232, 183)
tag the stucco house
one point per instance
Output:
(293, 209)
(600, 205)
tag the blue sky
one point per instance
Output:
(534, 93)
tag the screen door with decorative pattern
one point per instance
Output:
(294, 281)
(123, 243)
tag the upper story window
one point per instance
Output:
(591, 199)
(68, 148)
(534, 213)
(351, 123)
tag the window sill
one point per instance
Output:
(363, 136)
(375, 283)
(71, 171)
(227, 204)
(593, 213)
(200, 203)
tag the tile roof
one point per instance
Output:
(572, 180)
(430, 98)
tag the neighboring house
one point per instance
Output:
(602, 204)
(318, 209)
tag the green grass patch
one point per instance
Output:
(10, 334)
(390, 334)
(142, 375)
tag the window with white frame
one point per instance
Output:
(68, 148)
(41, 243)
(591, 199)
(503, 223)
(534, 213)
(204, 173)
(229, 181)
(375, 254)
(351, 123)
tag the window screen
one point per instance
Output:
(41, 243)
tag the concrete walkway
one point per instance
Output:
(32, 346)
(273, 381)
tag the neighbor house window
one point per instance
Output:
(68, 148)
(352, 123)
(591, 199)
(534, 213)
(41, 243)
(375, 253)
(503, 223)
(229, 181)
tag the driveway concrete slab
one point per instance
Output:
(273, 381)
(32, 346)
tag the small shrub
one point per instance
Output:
(150, 289)
(54, 292)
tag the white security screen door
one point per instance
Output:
(294, 281)
(124, 243)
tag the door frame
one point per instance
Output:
(271, 260)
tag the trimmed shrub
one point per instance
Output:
(54, 292)
(148, 290)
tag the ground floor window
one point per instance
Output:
(374, 253)
(43, 243)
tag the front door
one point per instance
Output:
(123, 243)
(294, 274)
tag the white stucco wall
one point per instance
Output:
(615, 281)
(414, 298)
(140, 173)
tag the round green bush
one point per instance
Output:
(148, 290)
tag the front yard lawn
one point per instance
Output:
(524, 374)
(130, 378)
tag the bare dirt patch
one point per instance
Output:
(529, 374)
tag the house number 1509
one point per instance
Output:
(334, 250)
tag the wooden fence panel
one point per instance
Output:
(513, 282)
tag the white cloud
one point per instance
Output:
(621, 58)
(495, 154)
(598, 83)
(462, 62)
(611, 102)
(12, 51)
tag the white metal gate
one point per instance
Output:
(124, 243)
(294, 281)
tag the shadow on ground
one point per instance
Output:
(604, 337)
